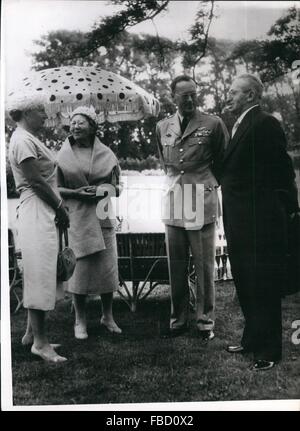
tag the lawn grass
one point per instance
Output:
(139, 366)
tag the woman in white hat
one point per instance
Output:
(84, 165)
(40, 212)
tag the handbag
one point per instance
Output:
(66, 260)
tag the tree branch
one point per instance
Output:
(160, 47)
(210, 18)
(116, 24)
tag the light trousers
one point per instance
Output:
(201, 244)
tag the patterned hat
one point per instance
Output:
(88, 112)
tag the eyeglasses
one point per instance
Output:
(79, 123)
(233, 92)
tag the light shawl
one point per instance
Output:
(85, 233)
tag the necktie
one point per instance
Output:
(183, 124)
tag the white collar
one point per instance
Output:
(239, 120)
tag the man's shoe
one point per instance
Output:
(175, 332)
(236, 349)
(262, 365)
(207, 335)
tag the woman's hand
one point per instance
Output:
(62, 217)
(86, 192)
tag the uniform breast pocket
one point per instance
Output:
(198, 140)
(203, 140)
(197, 148)
(168, 149)
(193, 141)
(168, 143)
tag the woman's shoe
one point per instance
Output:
(80, 331)
(111, 326)
(27, 339)
(50, 356)
(55, 346)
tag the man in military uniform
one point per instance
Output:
(191, 146)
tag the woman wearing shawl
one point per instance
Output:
(40, 212)
(84, 164)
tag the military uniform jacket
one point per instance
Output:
(191, 162)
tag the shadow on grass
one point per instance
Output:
(139, 366)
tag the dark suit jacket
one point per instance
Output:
(258, 190)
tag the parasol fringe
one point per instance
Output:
(65, 88)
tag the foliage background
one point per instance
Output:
(153, 61)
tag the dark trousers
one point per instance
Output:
(256, 239)
(258, 289)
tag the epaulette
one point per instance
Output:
(216, 117)
(166, 118)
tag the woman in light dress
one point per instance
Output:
(84, 166)
(40, 213)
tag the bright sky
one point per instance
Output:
(27, 20)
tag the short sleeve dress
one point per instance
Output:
(37, 231)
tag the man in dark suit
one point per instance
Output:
(259, 194)
(191, 146)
